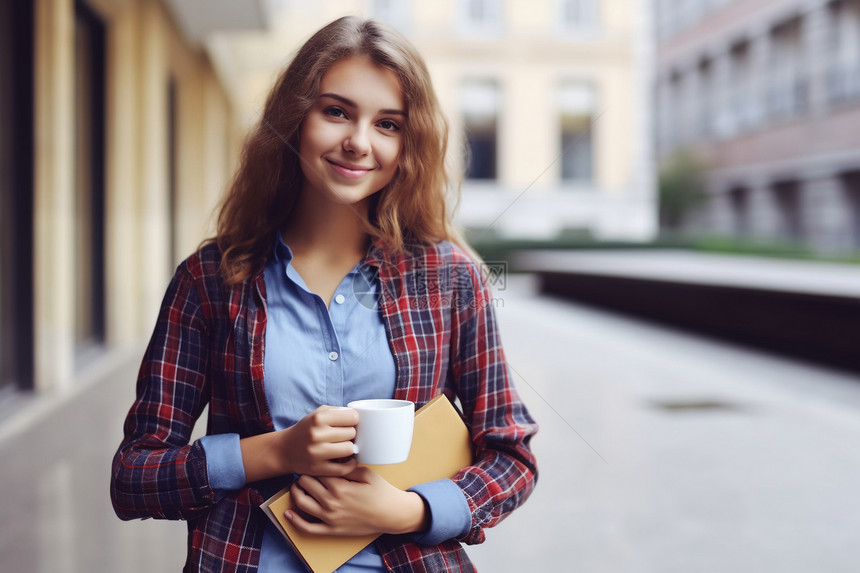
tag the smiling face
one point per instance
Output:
(351, 139)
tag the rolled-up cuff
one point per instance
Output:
(449, 511)
(224, 462)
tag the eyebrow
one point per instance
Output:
(351, 103)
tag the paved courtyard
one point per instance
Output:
(659, 452)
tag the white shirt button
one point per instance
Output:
(332, 356)
(339, 299)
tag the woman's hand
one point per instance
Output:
(321, 444)
(360, 503)
(318, 444)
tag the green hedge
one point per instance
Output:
(494, 248)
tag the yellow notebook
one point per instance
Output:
(441, 446)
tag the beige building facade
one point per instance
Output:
(767, 92)
(552, 96)
(118, 138)
(122, 120)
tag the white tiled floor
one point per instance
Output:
(766, 483)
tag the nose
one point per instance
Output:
(357, 141)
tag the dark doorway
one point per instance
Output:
(787, 194)
(89, 184)
(739, 200)
(16, 194)
(851, 184)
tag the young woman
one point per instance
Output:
(334, 276)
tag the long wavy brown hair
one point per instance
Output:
(417, 203)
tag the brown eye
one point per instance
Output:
(334, 111)
(388, 125)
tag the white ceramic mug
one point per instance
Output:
(384, 431)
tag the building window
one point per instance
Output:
(481, 16)
(89, 185)
(579, 14)
(685, 106)
(787, 92)
(674, 120)
(705, 101)
(394, 12)
(667, 17)
(664, 115)
(481, 106)
(741, 101)
(844, 72)
(576, 104)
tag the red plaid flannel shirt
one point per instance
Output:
(208, 347)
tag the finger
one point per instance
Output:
(309, 527)
(312, 486)
(337, 450)
(322, 433)
(338, 416)
(305, 501)
(334, 434)
(329, 453)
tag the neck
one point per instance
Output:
(319, 228)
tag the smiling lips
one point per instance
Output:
(348, 171)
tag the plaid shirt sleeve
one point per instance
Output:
(443, 329)
(505, 470)
(156, 472)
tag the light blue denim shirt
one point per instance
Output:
(317, 355)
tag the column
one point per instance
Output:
(217, 119)
(54, 194)
(154, 256)
(122, 189)
(194, 162)
(827, 213)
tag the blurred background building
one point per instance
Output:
(551, 95)
(116, 140)
(766, 95)
(121, 123)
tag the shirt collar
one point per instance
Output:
(375, 252)
(282, 251)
